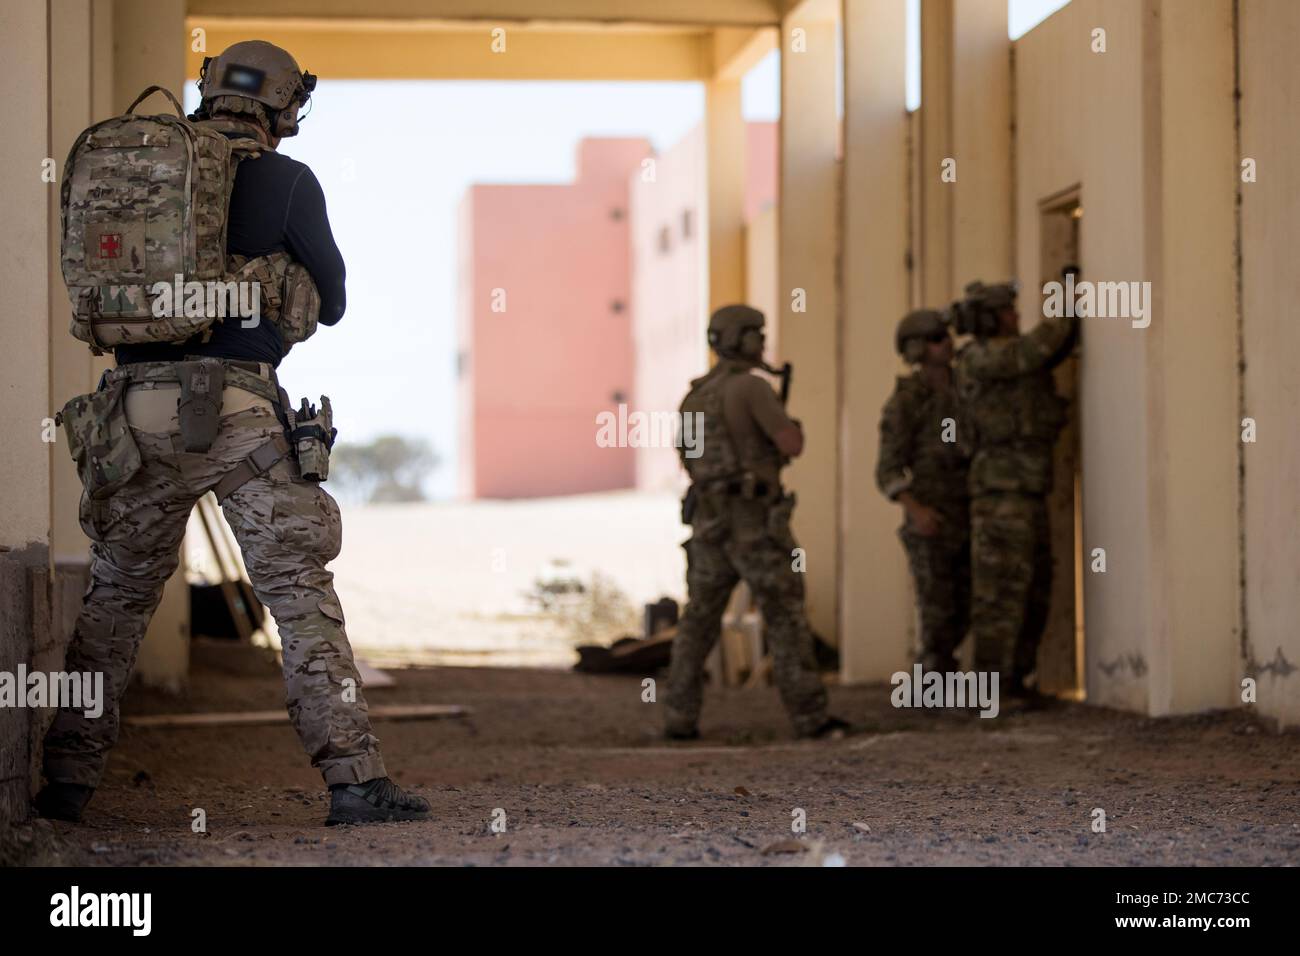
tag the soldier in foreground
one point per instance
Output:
(922, 467)
(740, 523)
(194, 406)
(1012, 415)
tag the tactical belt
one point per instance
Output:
(735, 488)
(245, 375)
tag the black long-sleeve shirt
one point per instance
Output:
(276, 205)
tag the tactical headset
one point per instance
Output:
(248, 81)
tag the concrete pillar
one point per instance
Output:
(24, 377)
(25, 359)
(725, 156)
(149, 46)
(809, 318)
(1270, 287)
(966, 224)
(1192, 405)
(876, 619)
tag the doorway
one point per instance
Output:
(1060, 655)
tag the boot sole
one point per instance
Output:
(354, 817)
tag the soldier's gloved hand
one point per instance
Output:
(924, 520)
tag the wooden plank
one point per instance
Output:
(372, 677)
(254, 718)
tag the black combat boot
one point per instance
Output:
(832, 728)
(63, 801)
(375, 801)
(675, 734)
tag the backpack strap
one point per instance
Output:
(156, 89)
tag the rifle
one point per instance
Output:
(785, 373)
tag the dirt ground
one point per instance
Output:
(577, 766)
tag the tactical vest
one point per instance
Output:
(144, 200)
(719, 460)
(1013, 427)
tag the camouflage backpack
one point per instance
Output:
(145, 200)
(720, 460)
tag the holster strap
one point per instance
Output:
(262, 460)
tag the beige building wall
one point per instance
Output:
(1079, 123)
(1144, 129)
(1270, 286)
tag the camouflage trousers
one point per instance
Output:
(1011, 552)
(941, 576)
(738, 539)
(287, 529)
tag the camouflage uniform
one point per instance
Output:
(1010, 403)
(915, 458)
(288, 530)
(741, 530)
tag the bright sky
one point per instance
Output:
(394, 159)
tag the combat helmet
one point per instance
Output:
(729, 324)
(914, 329)
(977, 314)
(254, 71)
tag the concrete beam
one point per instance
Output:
(736, 51)
(876, 611)
(715, 12)
(809, 319)
(438, 51)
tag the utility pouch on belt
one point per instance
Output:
(100, 439)
(202, 383)
(312, 437)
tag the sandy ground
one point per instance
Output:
(577, 767)
(446, 582)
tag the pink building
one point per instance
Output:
(546, 329)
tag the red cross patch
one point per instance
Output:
(110, 245)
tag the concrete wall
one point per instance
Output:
(1146, 129)
(1270, 286)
